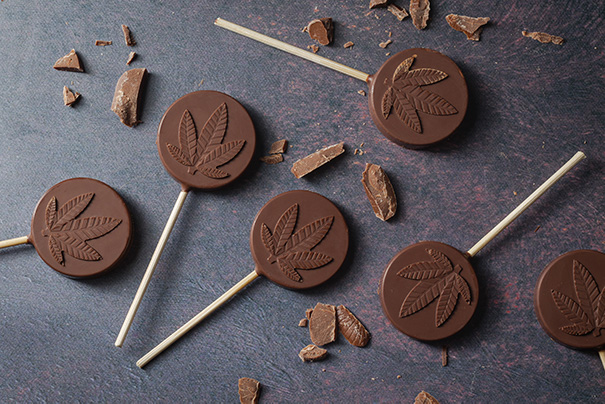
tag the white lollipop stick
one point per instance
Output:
(151, 268)
(310, 56)
(14, 241)
(579, 156)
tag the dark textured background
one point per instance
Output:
(532, 106)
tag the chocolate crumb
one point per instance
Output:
(69, 98)
(361, 92)
(303, 322)
(361, 144)
(380, 192)
(322, 326)
(69, 62)
(131, 57)
(279, 147)
(348, 45)
(312, 353)
(388, 54)
(272, 159)
(399, 376)
(351, 328)
(304, 29)
(378, 3)
(543, 37)
(398, 12)
(323, 370)
(314, 48)
(125, 102)
(308, 313)
(249, 390)
(356, 151)
(384, 44)
(444, 357)
(425, 398)
(200, 83)
(321, 30)
(470, 26)
(390, 34)
(128, 36)
(102, 43)
(537, 228)
(304, 166)
(419, 11)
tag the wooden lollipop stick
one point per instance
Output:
(197, 319)
(238, 29)
(151, 268)
(579, 156)
(14, 241)
(602, 356)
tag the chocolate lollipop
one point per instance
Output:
(417, 98)
(80, 228)
(429, 290)
(299, 239)
(570, 300)
(206, 140)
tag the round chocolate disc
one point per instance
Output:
(418, 97)
(570, 302)
(299, 239)
(206, 140)
(81, 227)
(429, 291)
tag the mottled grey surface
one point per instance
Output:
(532, 106)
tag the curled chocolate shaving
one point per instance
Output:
(131, 57)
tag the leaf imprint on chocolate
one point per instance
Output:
(437, 280)
(406, 96)
(292, 250)
(589, 314)
(67, 233)
(205, 151)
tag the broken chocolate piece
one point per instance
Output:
(348, 45)
(322, 326)
(544, 37)
(425, 398)
(249, 390)
(380, 191)
(69, 62)
(312, 353)
(471, 26)
(69, 98)
(378, 3)
(272, 159)
(131, 56)
(102, 43)
(351, 328)
(126, 96)
(321, 30)
(384, 44)
(279, 147)
(308, 314)
(303, 322)
(315, 160)
(128, 36)
(361, 92)
(314, 48)
(398, 12)
(444, 356)
(419, 11)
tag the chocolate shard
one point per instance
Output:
(102, 43)
(279, 147)
(378, 3)
(131, 57)
(249, 390)
(308, 313)
(70, 63)
(126, 96)
(313, 48)
(380, 192)
(425, 398)
(444, 356)
(471, 26)
(397, 11)
(304, 166)
(419, 11)
(69, 98)
(272, 159)
(384, 44)
(321, 30)
(303, 322)
(543, 37)
(351, 328)
(128, 36)
(312, 353)
(348, 45)
(322, 326)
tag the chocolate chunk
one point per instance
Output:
(69, 98)
(279, 147)
(425, 398)
(322, 326)
(351, 328)
(69, 62)
(471, 26)
(128, 36)
(544, 37)
(249, 390)
(315, 160)
(126, 96)
(348, 45)
(314, 48)
(102, 43)
(321, 30)
(303, 322)
(379, 191)
(378, 3)
(131, 57)
(398, 12)
(444, 357)
(308, 313)
(312, 353)
(272, 159)
(384, 44)
(419, 11)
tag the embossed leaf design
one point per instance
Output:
(428, 269)
(586, 290)
(67, 233)
(406, 96)
(205, 153)
(571, 310)
(447, 301)
(293, 251)
(421, 296)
